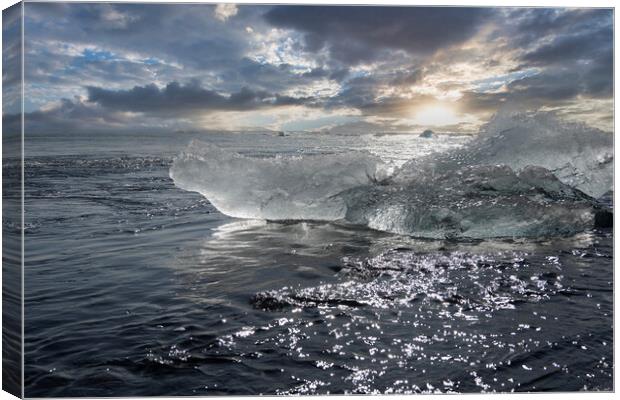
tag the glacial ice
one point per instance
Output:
(580, 156)
(474, 202)
(524, 175)
(279, 188)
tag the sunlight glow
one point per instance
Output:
(435, 115)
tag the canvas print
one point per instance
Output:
(222, 199)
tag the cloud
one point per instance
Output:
(176, 98)
(213, 61)
(574, 43)
(276, 78)
(112, 17)
(79, 115)
(76, 116)
(386, 93)
(225, 11)
(525, 27)
(11, 59)
(570, 89)
(356, 34)
(572, 47)
(570, 62)
(187, 34)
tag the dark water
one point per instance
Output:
(11, 269)
(134, 287)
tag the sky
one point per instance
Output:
(194, 67)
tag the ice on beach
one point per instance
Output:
(524, 175)
(277, 188)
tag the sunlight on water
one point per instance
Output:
(162, 294)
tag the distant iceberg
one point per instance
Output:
(427, 134)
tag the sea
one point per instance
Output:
(136, 287)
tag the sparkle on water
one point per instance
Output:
(135, 287)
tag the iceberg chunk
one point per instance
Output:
(279, 188)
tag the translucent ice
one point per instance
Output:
(580, 156)
(524, 175)
(279, 188)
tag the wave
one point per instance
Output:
(526, 174)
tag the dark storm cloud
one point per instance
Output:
(572, 47)
(380, 61)
(188, 43)
(572, 51)
(526, 26)
(581, 64)
(106, 111)
(190, 98)
(564, 55)
(269, 77)
(406, 77)
(73, 116)
(355, 34)
(552, 87)
(362, 93)
(365, 99)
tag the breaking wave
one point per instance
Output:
(526, 174)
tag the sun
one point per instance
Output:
(435, 115)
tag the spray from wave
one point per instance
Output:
(526, 174)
